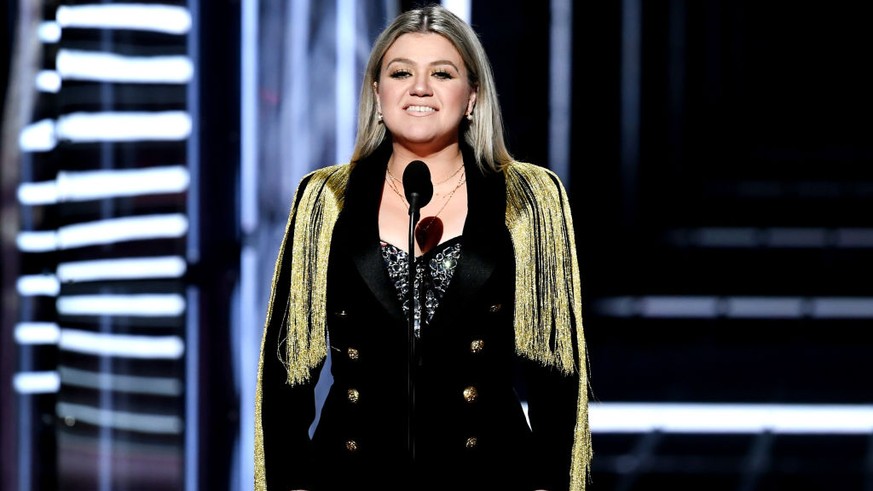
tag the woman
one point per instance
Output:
(498, 319)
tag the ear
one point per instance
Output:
(376, 93)
(471, 103)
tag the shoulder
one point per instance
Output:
(532, 175)
(324, 174)
(332, 178)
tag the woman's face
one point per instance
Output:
(423, 91)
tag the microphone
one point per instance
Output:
(417, 185)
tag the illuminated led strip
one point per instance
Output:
(36, 382)
(104, 232)
(44, 135)
(90, 185)
(48, 81)
(49, 32)
(37, 241)
(121, 345)
(164, 386)
(139, 305)
(122, 269)
(38, 137)
(110, 67)
(731, 418)
(120, 420)
(773, 237)
(123, 126)
(737, 307)
(38, 285)
(160, 18)
(32, 333)
(123, 229)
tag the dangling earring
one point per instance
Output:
(470, 117)
(379, 117)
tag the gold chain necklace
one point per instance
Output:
(393, 185)
(435, 184)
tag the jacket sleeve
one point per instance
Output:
(552, 409)
(548, 326)
(283, 412)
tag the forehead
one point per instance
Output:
(423, 48)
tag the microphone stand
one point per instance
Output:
(418, 189)
(412, 355)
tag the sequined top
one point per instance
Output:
(433, 273)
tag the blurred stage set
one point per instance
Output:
(717, 153)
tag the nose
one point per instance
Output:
(420, 85)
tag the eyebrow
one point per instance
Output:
(433, 63)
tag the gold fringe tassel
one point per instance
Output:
(547, 289)
(306, 344)
(314, 217)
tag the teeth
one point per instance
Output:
(420, 109)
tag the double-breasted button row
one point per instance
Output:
(351, 446)
(471, 442)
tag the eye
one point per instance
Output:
(442, 74)
(401, 73)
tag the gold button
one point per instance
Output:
(351, 445)
(353, 395)
(470, 394)
(476, 345)
(471, 442)
(353, 353)
(495, 308)
(342, 314)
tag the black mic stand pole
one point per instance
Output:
(410, 331)
(418, 190)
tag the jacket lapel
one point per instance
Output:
(484, 228)
(359, 234)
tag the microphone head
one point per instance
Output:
(417, 185)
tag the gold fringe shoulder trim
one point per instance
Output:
(314, 218)
(548, 303)
(547, 285)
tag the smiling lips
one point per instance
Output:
(420, 109)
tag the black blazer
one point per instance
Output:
(469, 428)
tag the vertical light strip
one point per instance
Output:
(247, 355)
(560, 87)
(248, 114)
(192, 321)
(192, 382)
(297, 86)
(631, 67)
(461, 8)
(246, 331)
(345, 78)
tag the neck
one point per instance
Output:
(442, 163)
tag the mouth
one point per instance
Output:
(419, 109)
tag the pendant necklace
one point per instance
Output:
(425, 224)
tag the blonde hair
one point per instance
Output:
(484, 134)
